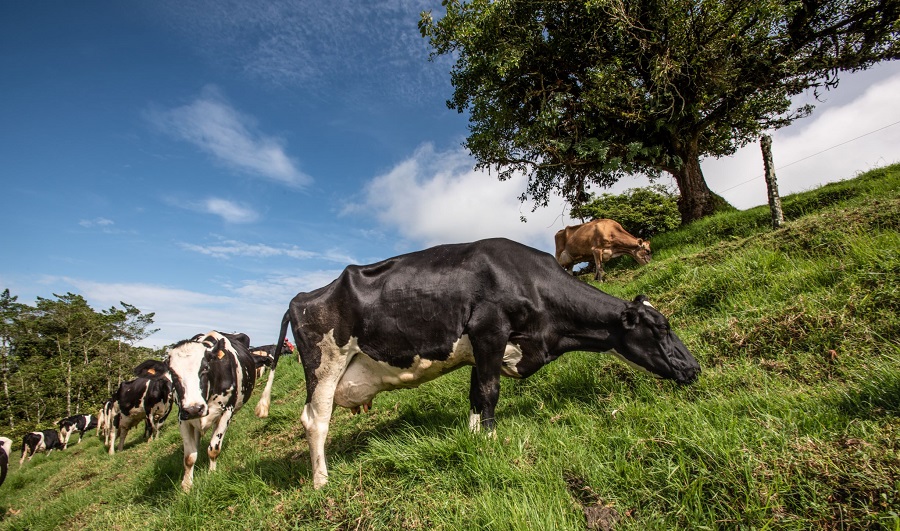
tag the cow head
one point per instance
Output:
(647, 341)
(643, 254)
(189, 364)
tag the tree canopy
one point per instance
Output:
(575, 93)
(61, 357)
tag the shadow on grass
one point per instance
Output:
(877, 398)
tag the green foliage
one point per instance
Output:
(574, 92)
(792, 425)
(644, 212)
(61, 357)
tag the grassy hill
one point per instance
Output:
(794, 423)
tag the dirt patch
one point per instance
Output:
(598, 514)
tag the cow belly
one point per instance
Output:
(365, 377)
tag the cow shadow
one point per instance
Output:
(291, 468)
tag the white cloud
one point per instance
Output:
(833, 144)
(96, 222)
(436, 197)
(232, 138)
(229, 210)
(254, 307)
(232, 248)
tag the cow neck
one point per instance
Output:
(591, 316)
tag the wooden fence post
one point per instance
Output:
(765, 142)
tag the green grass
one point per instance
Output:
(794, 423)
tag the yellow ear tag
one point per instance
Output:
(151, 371)
(220, 354)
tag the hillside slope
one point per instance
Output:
(793, 424)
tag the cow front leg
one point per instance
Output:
(190, 436)
(218, 437)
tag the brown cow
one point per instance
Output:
(600, 239)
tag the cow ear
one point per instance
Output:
(219, 349)
(630, 317)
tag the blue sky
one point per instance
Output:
(208, 160)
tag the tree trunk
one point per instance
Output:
(765, 143)
(696, 198)
(68, 388)
(5, 372)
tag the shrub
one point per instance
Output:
(644, 212)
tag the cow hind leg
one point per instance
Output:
(316, 415)
(484, 388)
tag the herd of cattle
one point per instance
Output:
(495, 305)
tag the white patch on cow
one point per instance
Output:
(474, 422)
(511, 358)
(365, 377)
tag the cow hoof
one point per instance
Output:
(186, 487)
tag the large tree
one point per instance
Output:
(580, 92)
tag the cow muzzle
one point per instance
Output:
(192, 412)
(688, 376)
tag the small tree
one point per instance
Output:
(644, 212)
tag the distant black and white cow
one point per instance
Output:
(499, 306)
(40, 441)
(267, 350)
(5, 452)
(146, 398)
(214, 375)
(79, 423)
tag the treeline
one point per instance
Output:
(61, 357)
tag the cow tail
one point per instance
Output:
(262, 407)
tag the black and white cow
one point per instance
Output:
(267, 350)
(214, 375)
(499, 306)
(40, 441)
(5, 452)
(79, 423)
(146, 398)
